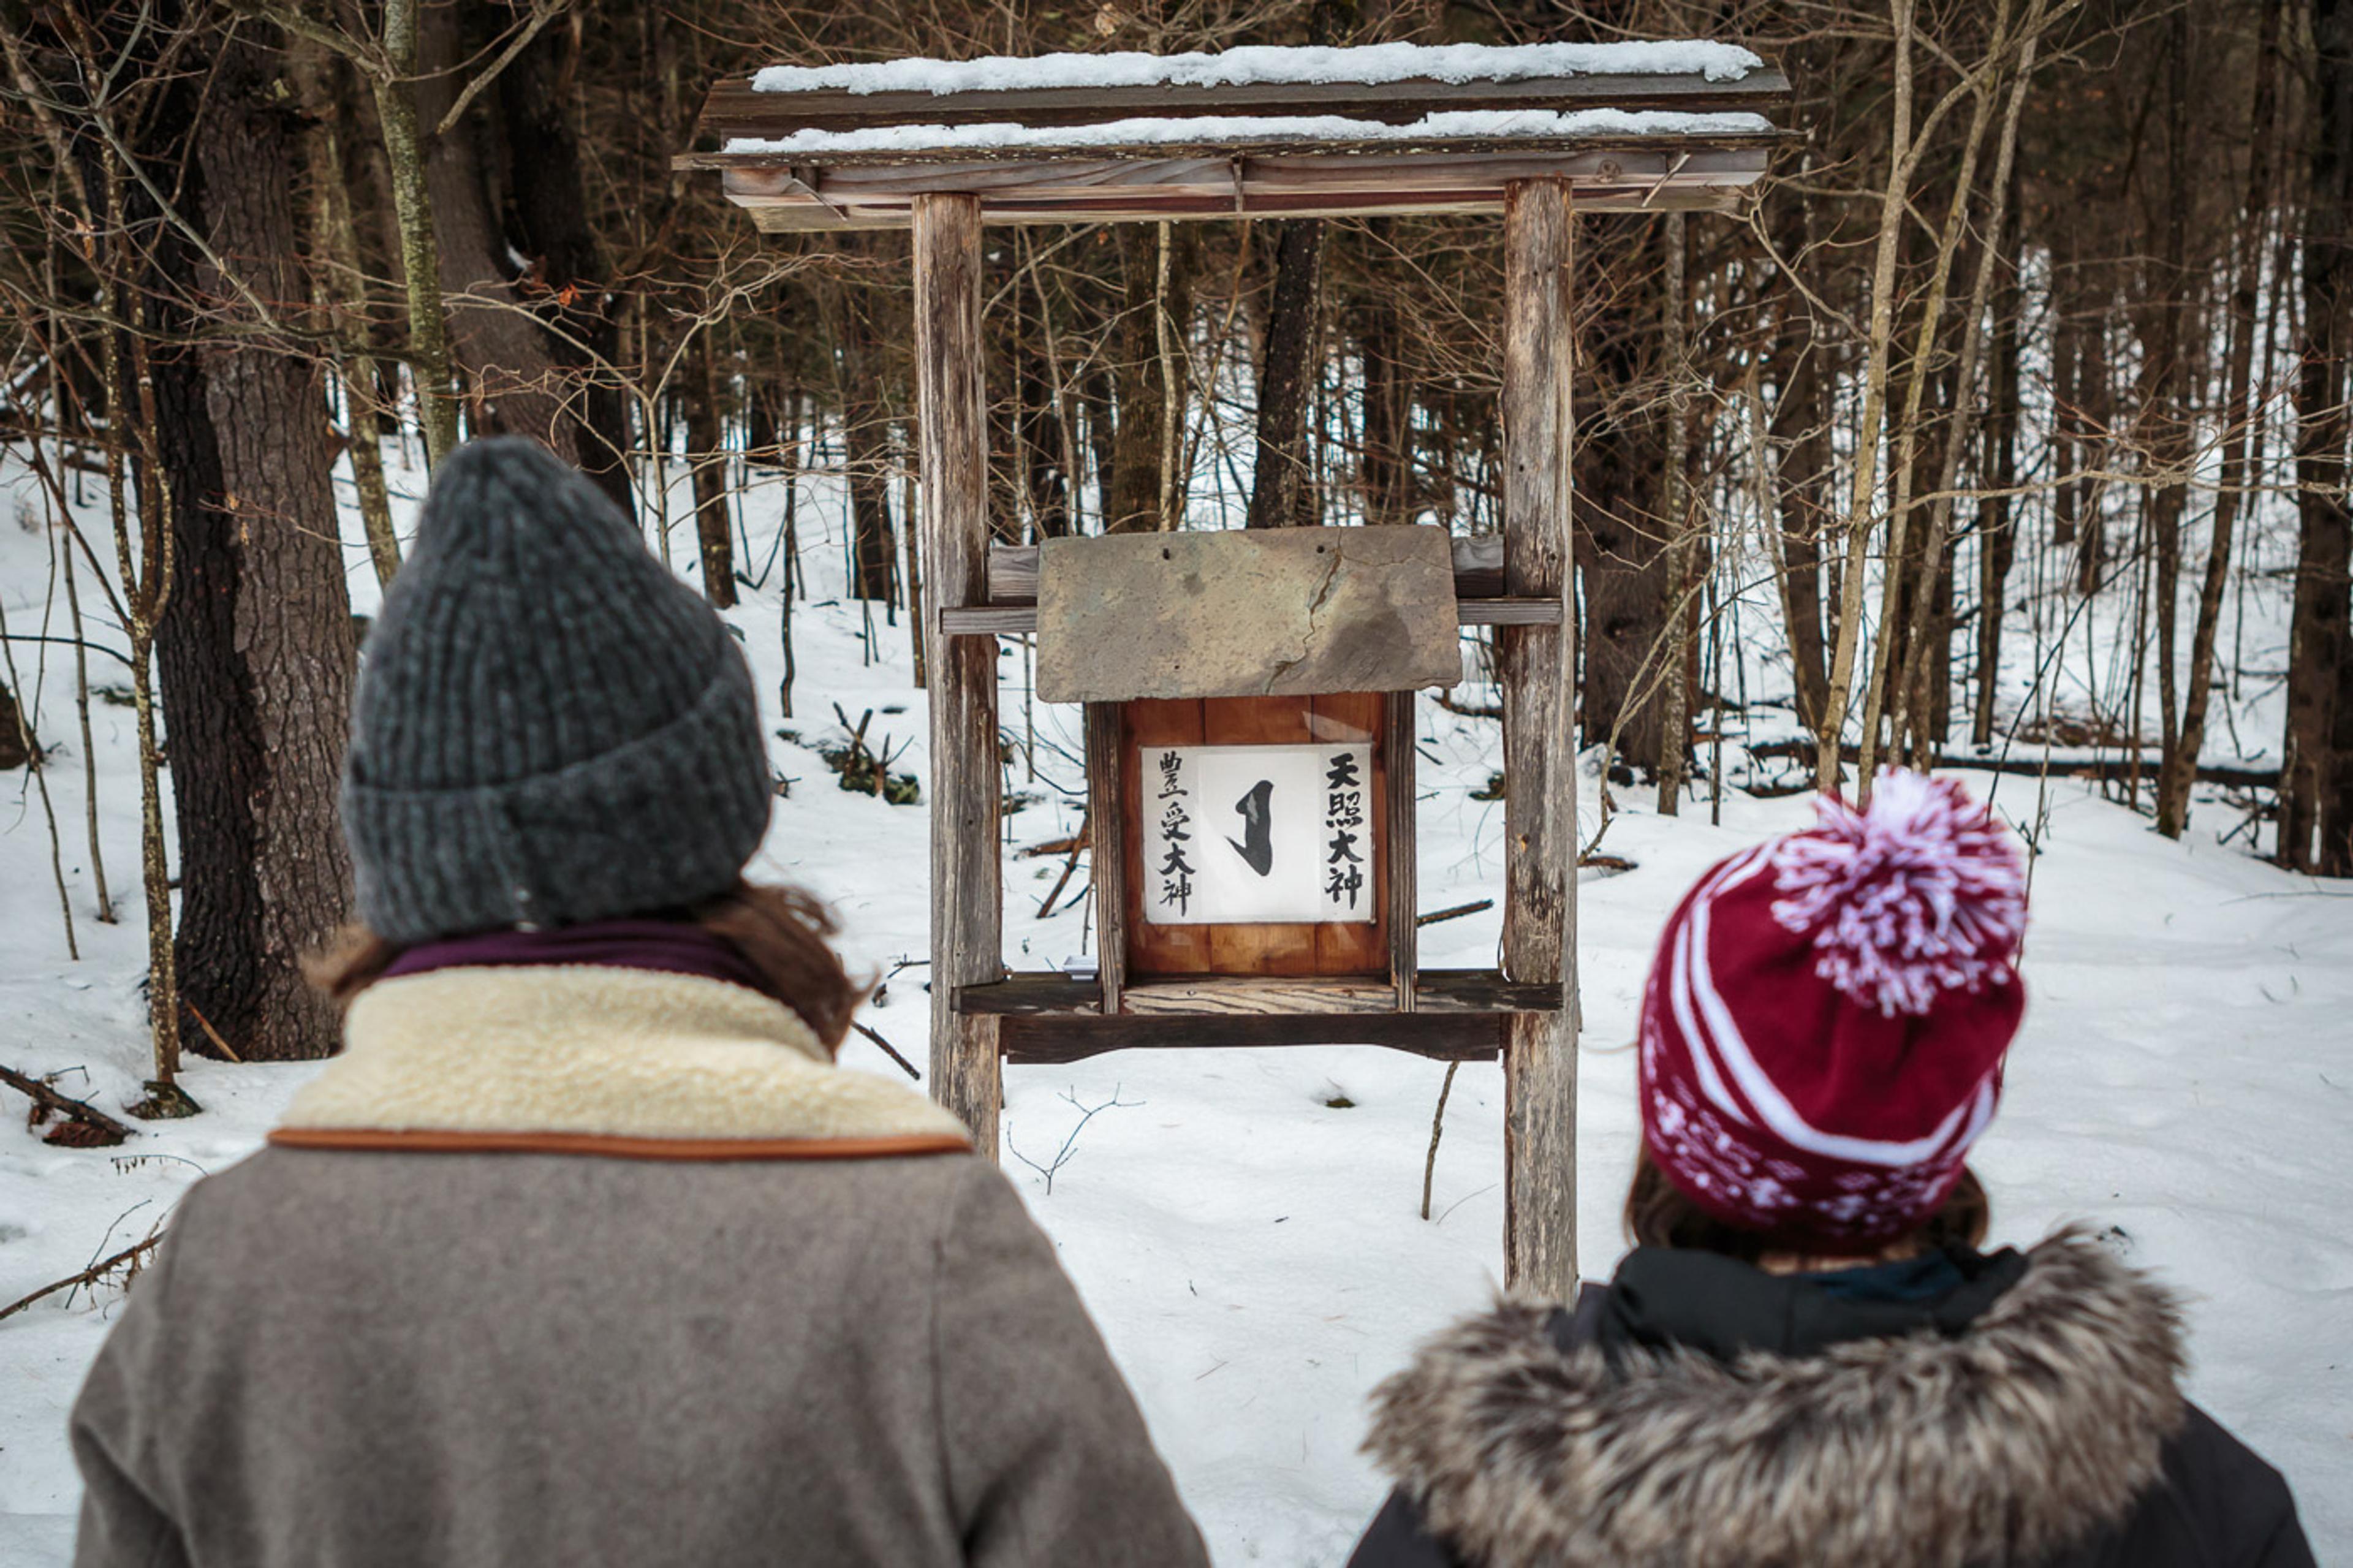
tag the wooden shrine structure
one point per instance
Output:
(1188, 647)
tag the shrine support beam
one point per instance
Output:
(967, 895)
(1536, 672)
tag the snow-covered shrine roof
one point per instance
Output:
(1385, 127)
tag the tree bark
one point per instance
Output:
(569, 282)
(1148, 381)
(2315, 832)
(1283, 478)
(515, 385)
(1620, 457)
(706, 455)
(866, 439)
(256, 646)
(1385, 471)
(2179, 769)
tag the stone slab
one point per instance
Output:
(1291, 612)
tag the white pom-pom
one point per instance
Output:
(1921, 893)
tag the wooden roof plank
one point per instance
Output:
(735, 109)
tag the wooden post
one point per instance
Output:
(1107, 845)
(1398, 757)
(1538, 664)
(968, 892)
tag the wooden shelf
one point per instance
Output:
(1070, 1038)
(1442, 992)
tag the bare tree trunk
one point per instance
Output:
(1893, 201)
(1800, 425)
(1620, 458)
(2180, 765)
(513, 384)
(1675, 509)
(420, 250)
(1147, 382)
(568, 284)
(1283, 482)
(706, 457)
(256, 650)
(2165, 337)
(866, 440)
(1386, 469)
(2315, 831)
(342, 290)
(1997, 530)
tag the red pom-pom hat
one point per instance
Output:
(1824, 1028)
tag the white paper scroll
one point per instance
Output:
(1249, 835)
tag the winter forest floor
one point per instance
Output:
(1244, 1223)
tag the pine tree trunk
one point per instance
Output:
(256, 645)
(865, 438)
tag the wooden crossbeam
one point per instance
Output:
(1089, 187)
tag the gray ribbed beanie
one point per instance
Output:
(550, 727)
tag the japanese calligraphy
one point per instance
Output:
(1298, 848)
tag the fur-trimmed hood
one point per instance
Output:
(590, 1060)
(2037, 1425)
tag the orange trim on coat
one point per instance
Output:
(427, 1140)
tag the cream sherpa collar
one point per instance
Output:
(599, 1060)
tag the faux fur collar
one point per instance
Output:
(599, 1060)
(2038, 1425)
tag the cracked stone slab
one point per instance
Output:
(1246, 613)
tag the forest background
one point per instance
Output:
(2039, 330)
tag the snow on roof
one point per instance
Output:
(1368, 64)
(1223, 130)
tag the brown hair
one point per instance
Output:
(780, 931)
(1657, 1215)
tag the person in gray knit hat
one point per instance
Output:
(584, 1250)
(550, 727)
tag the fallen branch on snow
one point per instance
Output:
(99, 1130)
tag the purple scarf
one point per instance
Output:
(671, 947)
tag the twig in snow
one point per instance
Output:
(1062, 1155)
(100, 1129)
(1457, 912)
(888, 1049)
(91, 1275)
(1437, 1126)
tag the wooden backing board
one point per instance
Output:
(1268, 950)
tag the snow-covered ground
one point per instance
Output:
(1244, 1223)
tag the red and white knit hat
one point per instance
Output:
(1823, 1033)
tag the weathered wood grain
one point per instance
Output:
(1246, 613)
(1209, 996)
(1063, 1037)
(1535, 665)
(1399, 846)
(967, 893)
(1112, 831)
(735, 109)
(1478, 570)
(1437, 991)
(1012, 620)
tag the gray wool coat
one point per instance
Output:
(687, 1295)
